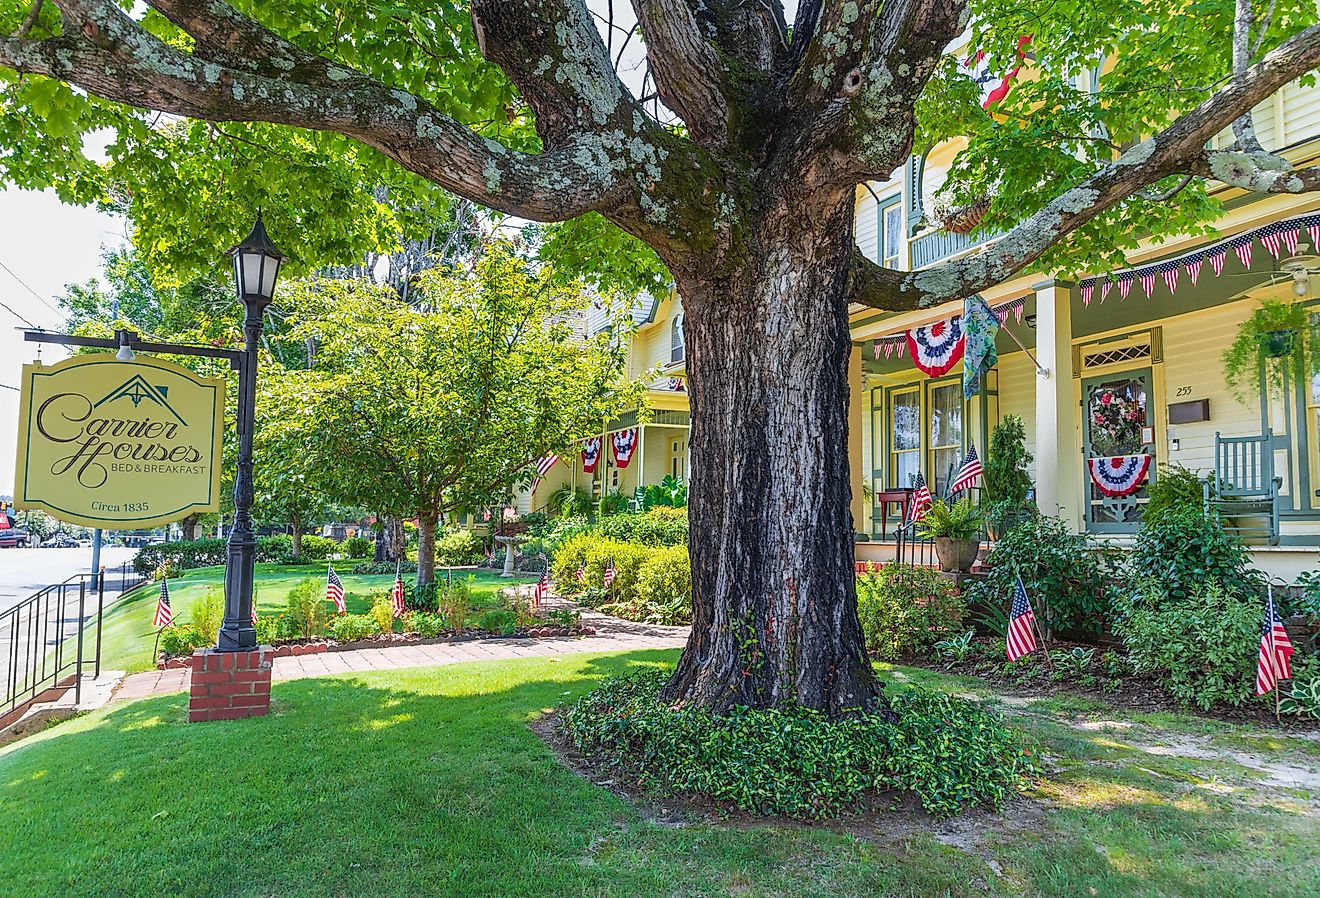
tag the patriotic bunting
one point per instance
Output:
(1279, 239)
(1119, 475)
(625, 443)
(590, 454)
(937, 347)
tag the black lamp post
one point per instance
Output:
(256, 265)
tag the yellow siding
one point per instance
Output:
(865, 229)
(1017, 395)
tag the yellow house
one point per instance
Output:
(649, 446)
(1150, 336)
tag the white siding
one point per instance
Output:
(865, 224)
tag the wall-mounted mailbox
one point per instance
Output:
(1189, 412)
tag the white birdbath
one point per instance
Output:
(509, 543)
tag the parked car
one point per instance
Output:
(60, 541)
(12, 537)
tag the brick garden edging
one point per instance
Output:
(230, 685)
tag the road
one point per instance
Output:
(24, 571)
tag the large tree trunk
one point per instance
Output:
(774, 600)
(426, 548)
(189, 526)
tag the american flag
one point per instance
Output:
(581, 574)
(396, 594)
(334, 589)
(164, 614)
(608, 577)
(543, 467)
(254, 611)
(540, 590)
(969, 474)
(1272, 664)
(921, 498)
(1021, 638)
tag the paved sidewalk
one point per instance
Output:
(612, 635)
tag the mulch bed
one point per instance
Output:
(1133, 693)
(297, 647)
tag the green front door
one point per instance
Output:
(1118, 429)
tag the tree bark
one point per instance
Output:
(189, 526)
(426, 547)
(296, 522)
(774, 599)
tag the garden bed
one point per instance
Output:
(316, 646)
(1103, 679)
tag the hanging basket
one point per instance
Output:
(966, 218)
(1278, 344)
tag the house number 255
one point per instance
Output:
(1184, 391)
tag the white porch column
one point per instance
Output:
(1058, 458)
(858, 417)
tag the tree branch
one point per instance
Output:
(688, 73)
(1178, 149)
(105, 52)
(1261, 172)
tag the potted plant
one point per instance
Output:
(954, 217)
(1267, 342)
(956, 530)
(1007, 483)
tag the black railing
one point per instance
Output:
(45, 640)
(911, 549)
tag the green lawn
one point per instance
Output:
(429, 782)
(129, 639)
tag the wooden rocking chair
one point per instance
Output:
(1244, 488)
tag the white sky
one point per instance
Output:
(46, 245)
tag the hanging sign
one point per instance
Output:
(625, 443)
(1119, 475)
(590, 455)
(129, 445)
(937, 347)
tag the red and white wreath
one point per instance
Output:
(1119, 475)
(937, 347)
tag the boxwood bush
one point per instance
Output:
(651, 584)
(195, 553)
(459, 546)
(315, 548)
(1182, 548)
(950, 753)
(905, 610)
(348, 627)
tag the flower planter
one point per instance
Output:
(956, 555)
(964, 220)
(1278, 344)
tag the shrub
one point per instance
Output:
(1175, 489)
(358, 547)
(382, 612)
(595, 553)
(501, 620)
(1067, 575)
(422, 596)
(208, 612)
(315, 548)
(568, 501)
(373, 567)
(270, 628)
(1006, 477)
(459, 546)
(1183, 548)
(952, 520)
(1302, 696)
(277, 549)
(426, 624)
(664, 582)
(455, 603)
(613, 502)
(168, 570)
(906, 610)
(950, 753)
(660, 526)
(184, 640)
(1202, 648)
(186, 554)
(305, 611)
(350, 627)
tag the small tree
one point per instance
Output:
(417, 410)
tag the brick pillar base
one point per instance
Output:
(230, 685)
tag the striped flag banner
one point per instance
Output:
(164, 613)
(1217, 261)
(1021, 637)
(1105, 286)
(334, 589)
(1194, 269)
(1171, 278)
(1124, 285)
(1148, 283)
(1243, 251)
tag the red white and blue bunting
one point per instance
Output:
(625, 444)
(1119, 475)
(931, 345)
(590, 454)
(1279, 239)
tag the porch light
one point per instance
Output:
(256, 265)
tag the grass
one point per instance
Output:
(402, 783)
(128, 640)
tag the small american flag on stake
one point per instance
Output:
(581, 573)
(396, 594)
(1272, 664)
(334, 589)
(164, 614)
(608, 576)
(1021, 638)
(540, 590)
(921, 498)
(969, 475)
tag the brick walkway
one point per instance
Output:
(612, 635)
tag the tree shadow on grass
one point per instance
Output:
(429, 782)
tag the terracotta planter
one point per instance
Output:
(956, 554)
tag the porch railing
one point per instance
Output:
(45, 642)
